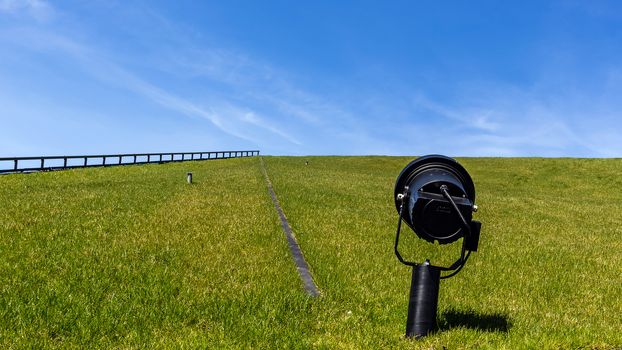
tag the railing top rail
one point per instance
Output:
(116, 155)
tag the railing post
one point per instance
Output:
(135, 159)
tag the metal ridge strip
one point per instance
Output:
(301, 264)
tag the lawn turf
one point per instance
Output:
(548, 273)
(133, 257)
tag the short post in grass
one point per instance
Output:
(435, 196)
(423, 300)
(189, 177)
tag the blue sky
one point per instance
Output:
(462, 78)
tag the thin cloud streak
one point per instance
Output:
(279, 111)
(478, 119)
(37, 9)
(511, 122)
(104, 70)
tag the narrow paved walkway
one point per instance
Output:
(299, 259)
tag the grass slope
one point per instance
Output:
(548, 273)
(133, 257)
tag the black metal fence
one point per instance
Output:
(31, 164)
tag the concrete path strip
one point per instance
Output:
(301, 264)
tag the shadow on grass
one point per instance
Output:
(468, 319)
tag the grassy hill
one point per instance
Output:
(135, 257)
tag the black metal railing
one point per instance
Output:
(49, 163)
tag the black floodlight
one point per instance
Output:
(435, 196)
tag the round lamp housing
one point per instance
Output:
(419, 188)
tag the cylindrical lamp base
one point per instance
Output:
(423, 300)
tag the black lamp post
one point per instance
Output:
(435, 196)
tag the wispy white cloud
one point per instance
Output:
(478, 118)
(262, 103)
(235, 121)
(256, 81)
(254, 119)
(508, 121)
(259, 103)
(38, 9)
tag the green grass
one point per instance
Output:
(133, 257)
